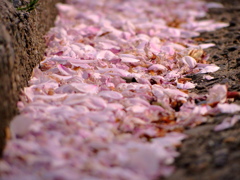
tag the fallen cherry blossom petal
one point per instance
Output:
(157, 67)
(205, 46)
(128, 58)
(191, 62)
(208, 77)
(110, 94)
(65, 71)
(208, 68)
(217, 93)
(228, 108)
(107, 55)
(85, 88)
(187, 85)
(214, 5)
(227, 123)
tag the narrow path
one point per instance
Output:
(112, 97)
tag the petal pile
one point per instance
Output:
(110, 99)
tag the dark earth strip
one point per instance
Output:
(22, 47)
(209, 155)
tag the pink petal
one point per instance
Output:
(208, 45)
(217, 94)
(227, 123)
(214, 5)
(110, 94)
(128, 58)
(228, 108)
(137, 109)
(208, 68)
(190, 61)
(208, 77)
(65, 71)
(85, 88)
(187, 85)
(157, 67)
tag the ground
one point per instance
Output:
(209, 155)
(205, 154)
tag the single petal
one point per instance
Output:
(157, 67)
(106, 55)
(65, 71)
(187, 85)
(208, 68)
(85, 88)
(227, 123)
(110, 94)
(218, 93)
(228, 108)
(128, 58)
(190, 61)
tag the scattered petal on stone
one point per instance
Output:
(228, 108)
(205, 46)
(208, 77)
(217, 94)
(214, 5)
(157, 67)
(208, 68)
(227, 123)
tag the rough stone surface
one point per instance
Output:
(207, 154)
(22, 47)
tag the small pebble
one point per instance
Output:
(232, 48)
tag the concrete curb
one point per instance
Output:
(21, 48)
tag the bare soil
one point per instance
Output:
(206, 154)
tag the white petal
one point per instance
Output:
(85, 88)
(208, 45)
(190, 61)
(227, 123)
(187, 85)
(137, 109)
(209, 68)
(208, 77)
(228, 108)
(128, 58)
(106, 55)
(110, 94)
(157, 67)
(217, 94)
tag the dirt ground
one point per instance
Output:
(209, 155)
